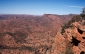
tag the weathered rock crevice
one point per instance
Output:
(80, 31)
(82, 52)
(83, 37)
(75, 41)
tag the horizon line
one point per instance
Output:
(37, 14)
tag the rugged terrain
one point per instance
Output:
(74, 38)
(27, 34)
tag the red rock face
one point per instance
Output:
(23, 34)
(75, 35)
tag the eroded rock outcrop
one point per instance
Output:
(76, 36)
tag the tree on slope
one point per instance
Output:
(83, 13)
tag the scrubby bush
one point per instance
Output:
(84, 23)
(28, 48)
(83, 13)
(69, 48)
(75, 18)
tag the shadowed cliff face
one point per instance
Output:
(27, 34)
(75, 41)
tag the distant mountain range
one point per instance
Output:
(28, 31)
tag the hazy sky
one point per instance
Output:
(39, 7)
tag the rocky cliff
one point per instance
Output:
(73, 39)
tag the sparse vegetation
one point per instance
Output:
(83, 13)
(69, 48)
(75, 18)
(28, 48)
(84, 23)
(20, 48)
